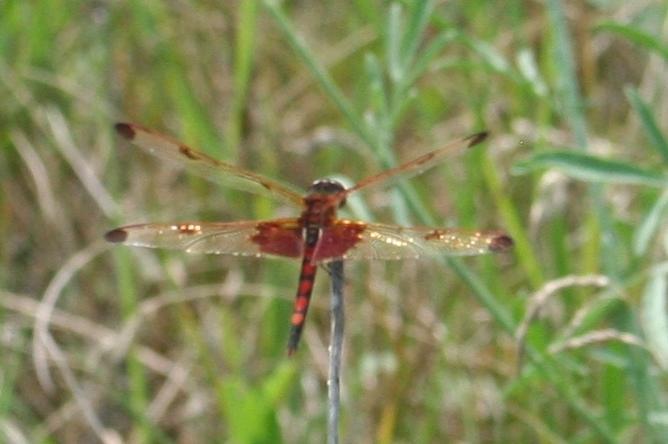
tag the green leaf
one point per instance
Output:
(635, 35)
(244, 54)
(528, 68)
(591, 168)
(433, 49)
(567, 86)
(250, 411)
(648, 121)
(419, 19)
(393, 43)
(490, 55)
(281, 381)
(377, 91)
(650, 225)
(655, 321)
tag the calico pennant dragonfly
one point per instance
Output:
(316, 236)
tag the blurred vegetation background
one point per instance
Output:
(562, 340)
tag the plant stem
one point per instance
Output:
(335, 349)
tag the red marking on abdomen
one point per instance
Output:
(301, 303)
(297, 319)
(305, 287)
(303, 298)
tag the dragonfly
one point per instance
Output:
(317, 236)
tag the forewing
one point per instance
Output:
(280, 237)
(358, 240)
(205, 165)
(420, 164)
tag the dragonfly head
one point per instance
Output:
(327, 187)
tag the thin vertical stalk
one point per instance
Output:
(335, 349)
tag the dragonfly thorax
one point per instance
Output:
(326, 187)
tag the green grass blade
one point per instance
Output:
(523, 249)
(646, 387)
(424, 59)
(484, 295)
(250, 410)
(654, 316)
(401, 96)
(651, 42)
(591, 169)
(650, 225)
(528, 69)
(393, 43)
(377, 97)
(564, 64)
(413, 36)
(648, 122)
(323, 78)
(243, 65)
(493, 58)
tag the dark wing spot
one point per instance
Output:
(186, 151)
(426, 158)
(434, 235)
(477, 138)
(116, 236)
(125, 130)
(502, 242)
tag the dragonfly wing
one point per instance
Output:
(420, 164)
(347, 239)
(205, 165)
(280, 237)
